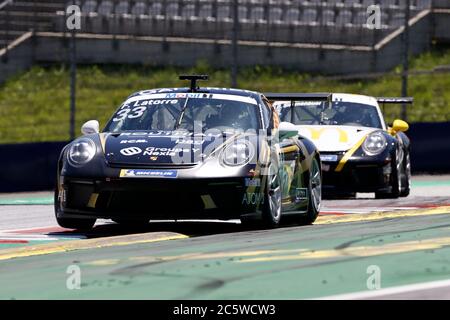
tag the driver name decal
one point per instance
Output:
(154, 102)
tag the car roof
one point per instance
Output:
(355, 98)
(231, 91)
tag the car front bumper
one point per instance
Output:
(154, 198)
(356, 176)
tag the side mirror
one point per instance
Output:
(287, 130)
(90, 127)
(400, 126)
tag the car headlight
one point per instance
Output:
(81, 152)
(237, 153)
(374, 144)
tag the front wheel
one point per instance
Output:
(77, 224)
(314, 194)
(271, 206)
(271, 213)
(406, 177)
(395, 181)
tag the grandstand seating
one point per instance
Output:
(316, 21)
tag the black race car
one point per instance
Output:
(189, 153)
(359, 152)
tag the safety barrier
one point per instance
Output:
(430, 147)
(28, 166)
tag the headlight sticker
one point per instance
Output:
(81, 151)
(374, 143)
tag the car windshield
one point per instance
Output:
(339, 113)
(184, 113)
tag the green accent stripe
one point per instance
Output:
(27, 201)
(430, 183)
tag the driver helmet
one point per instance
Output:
(346, 115)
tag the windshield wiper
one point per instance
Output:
(322, 115)
(177, 125)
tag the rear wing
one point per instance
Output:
(298, 96)
(328, 97)
(395, 100)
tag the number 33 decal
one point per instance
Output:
(129, 113)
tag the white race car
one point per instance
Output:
(359, 152)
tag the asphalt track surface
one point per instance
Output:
(404, 243)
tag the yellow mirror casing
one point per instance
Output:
(399, 126)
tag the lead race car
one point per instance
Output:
(189, 153)
(358, 151)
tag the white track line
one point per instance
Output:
(28, 229)
(389, 291)
(38, 237)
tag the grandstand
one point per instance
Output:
(275, 21)
(316, 35)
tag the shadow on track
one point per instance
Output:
(189, 228)
(204, 228)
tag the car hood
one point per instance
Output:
(159, 147)
(334, 138)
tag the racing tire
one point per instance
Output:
(314, 194)
(406, 183)
(395, 180)
(77, 224)
(271, 207)
(271, 210)
(72, 223)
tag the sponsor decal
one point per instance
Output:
(153, 158)
(301, 194)
(252, 198)
(328, 157)
(188, 95)
(131, 151)
(148, 173)
(164, 95)
(176, 134)
(190, 141)
(287, 176)
(156, 151)
(62, 196)
(308, 103)
(175, 95)
(134, 141)
(219, 96)
(256, 182)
